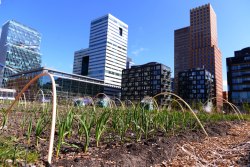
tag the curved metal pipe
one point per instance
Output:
(24, 97)
(152, 99)
(53, 123)
(168, 93)
(101, 94)
(237, 110)
(110, 104)
(230, 104)
(123, 107)
(177, 101)
(40, 90)
(92, 101)
(23, 100)
(131, 103)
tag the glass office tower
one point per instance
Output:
(19, 50)
(107, 53)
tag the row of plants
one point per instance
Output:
(86, 125)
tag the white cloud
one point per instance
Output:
(224, 85)
(138, 51)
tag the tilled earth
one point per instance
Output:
(228, 144)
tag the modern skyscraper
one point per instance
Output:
(238, 77)
(107, 53)
(181, 52)
(19, 49)
(204, 51)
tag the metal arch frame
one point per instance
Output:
(24, 99)
(152, 99)
(130, 103)
(231, 105)
(92, 101)
(40, 90)
(177, 101)
(53, 122)
(110, 103)
(198, 120)
(123, 107)
(237, 110)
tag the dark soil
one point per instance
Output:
(147, 152)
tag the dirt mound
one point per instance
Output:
(231, 149)
(219, 128)
(158, 151)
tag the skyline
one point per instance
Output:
(196, 46)
(151, 34)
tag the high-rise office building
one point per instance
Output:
(204, 49)
(238, 77)
(19, 49)
(181, 52)
(107, 53)
(203, 46)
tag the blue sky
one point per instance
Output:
(65, 26)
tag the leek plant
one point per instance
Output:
(40, 125)
(86, 123)
(38, 129)
(121, 121)
(101, 125)
(65, 128)
(137, 124)
(147, 121)
(69, 122)
(61, 134)
(125, 123)
(4, 118)
(29, 130)
(23, 123)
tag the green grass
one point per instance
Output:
(9, 149)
